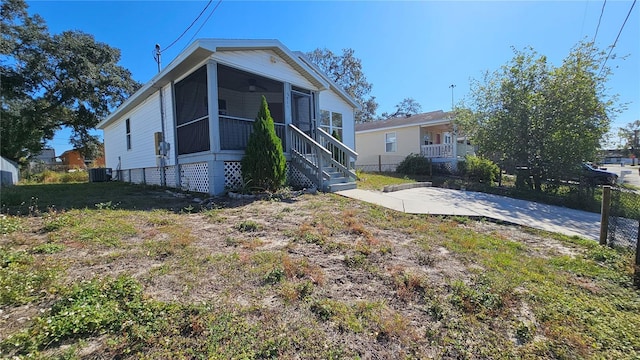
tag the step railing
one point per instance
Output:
(309, 155)
(343, 158)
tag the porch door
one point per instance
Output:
(301, 110)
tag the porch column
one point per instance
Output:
(287, 103)
(212, 104)
(455, 142)
(287, 115)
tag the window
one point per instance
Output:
(192, 113)
(390, 142)
(448, 138)
(127, 124)
(331, 122)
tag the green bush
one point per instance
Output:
(414, 164)
(479, 169)
(264, 164)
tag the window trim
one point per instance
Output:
(394, 143)
(127, 130)
(330, 127)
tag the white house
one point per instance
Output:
(188, 127)
(382, 145)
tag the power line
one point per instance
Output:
(187, 29)
(205, 21)
(599, 20)
(617, 37)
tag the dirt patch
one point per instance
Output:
(286, 257)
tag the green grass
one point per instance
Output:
(377, 181)
(38, 198)
(327, 278)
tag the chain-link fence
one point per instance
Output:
(622, 226)
(624, 218)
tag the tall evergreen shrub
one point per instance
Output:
(264, 164)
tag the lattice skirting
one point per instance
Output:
(233, 176)
(297, 179)
(170, 174)
(195, 177)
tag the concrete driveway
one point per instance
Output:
(438, 201)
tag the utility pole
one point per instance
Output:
(162, 144)
(157, 57)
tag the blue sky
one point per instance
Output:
(408, 49)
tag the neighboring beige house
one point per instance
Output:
(382, 145)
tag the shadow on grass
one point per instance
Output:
(30, 199)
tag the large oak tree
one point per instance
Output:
(50, 81)
(346, 71)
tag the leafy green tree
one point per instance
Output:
(264, 164)
(630, 135)
(346, 71)
(50, 81)
(546, 119)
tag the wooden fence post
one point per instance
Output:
(604, 214)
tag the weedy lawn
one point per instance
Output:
(124, 271)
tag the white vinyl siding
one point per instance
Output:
(330, 101)
(264, 63)
(144, 122)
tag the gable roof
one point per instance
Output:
(430, 118)
(202, 49)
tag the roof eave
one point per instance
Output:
(199, 51)
(333, 85)
(195, 54)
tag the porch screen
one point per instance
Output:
(192, 113)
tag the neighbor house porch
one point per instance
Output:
(437, 143)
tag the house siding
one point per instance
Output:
(145, 121)
(261, 63)
(371, 150)
(332, 102)
(207, 171)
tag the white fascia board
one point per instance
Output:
(162, 78)
(199, 50)
(424, 124)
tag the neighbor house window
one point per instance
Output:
(331, 122)
(390, 142)
(127, 124)
(192, 113)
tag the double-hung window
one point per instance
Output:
(390, 142)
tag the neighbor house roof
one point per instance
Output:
(202, 49)
(425, 119)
